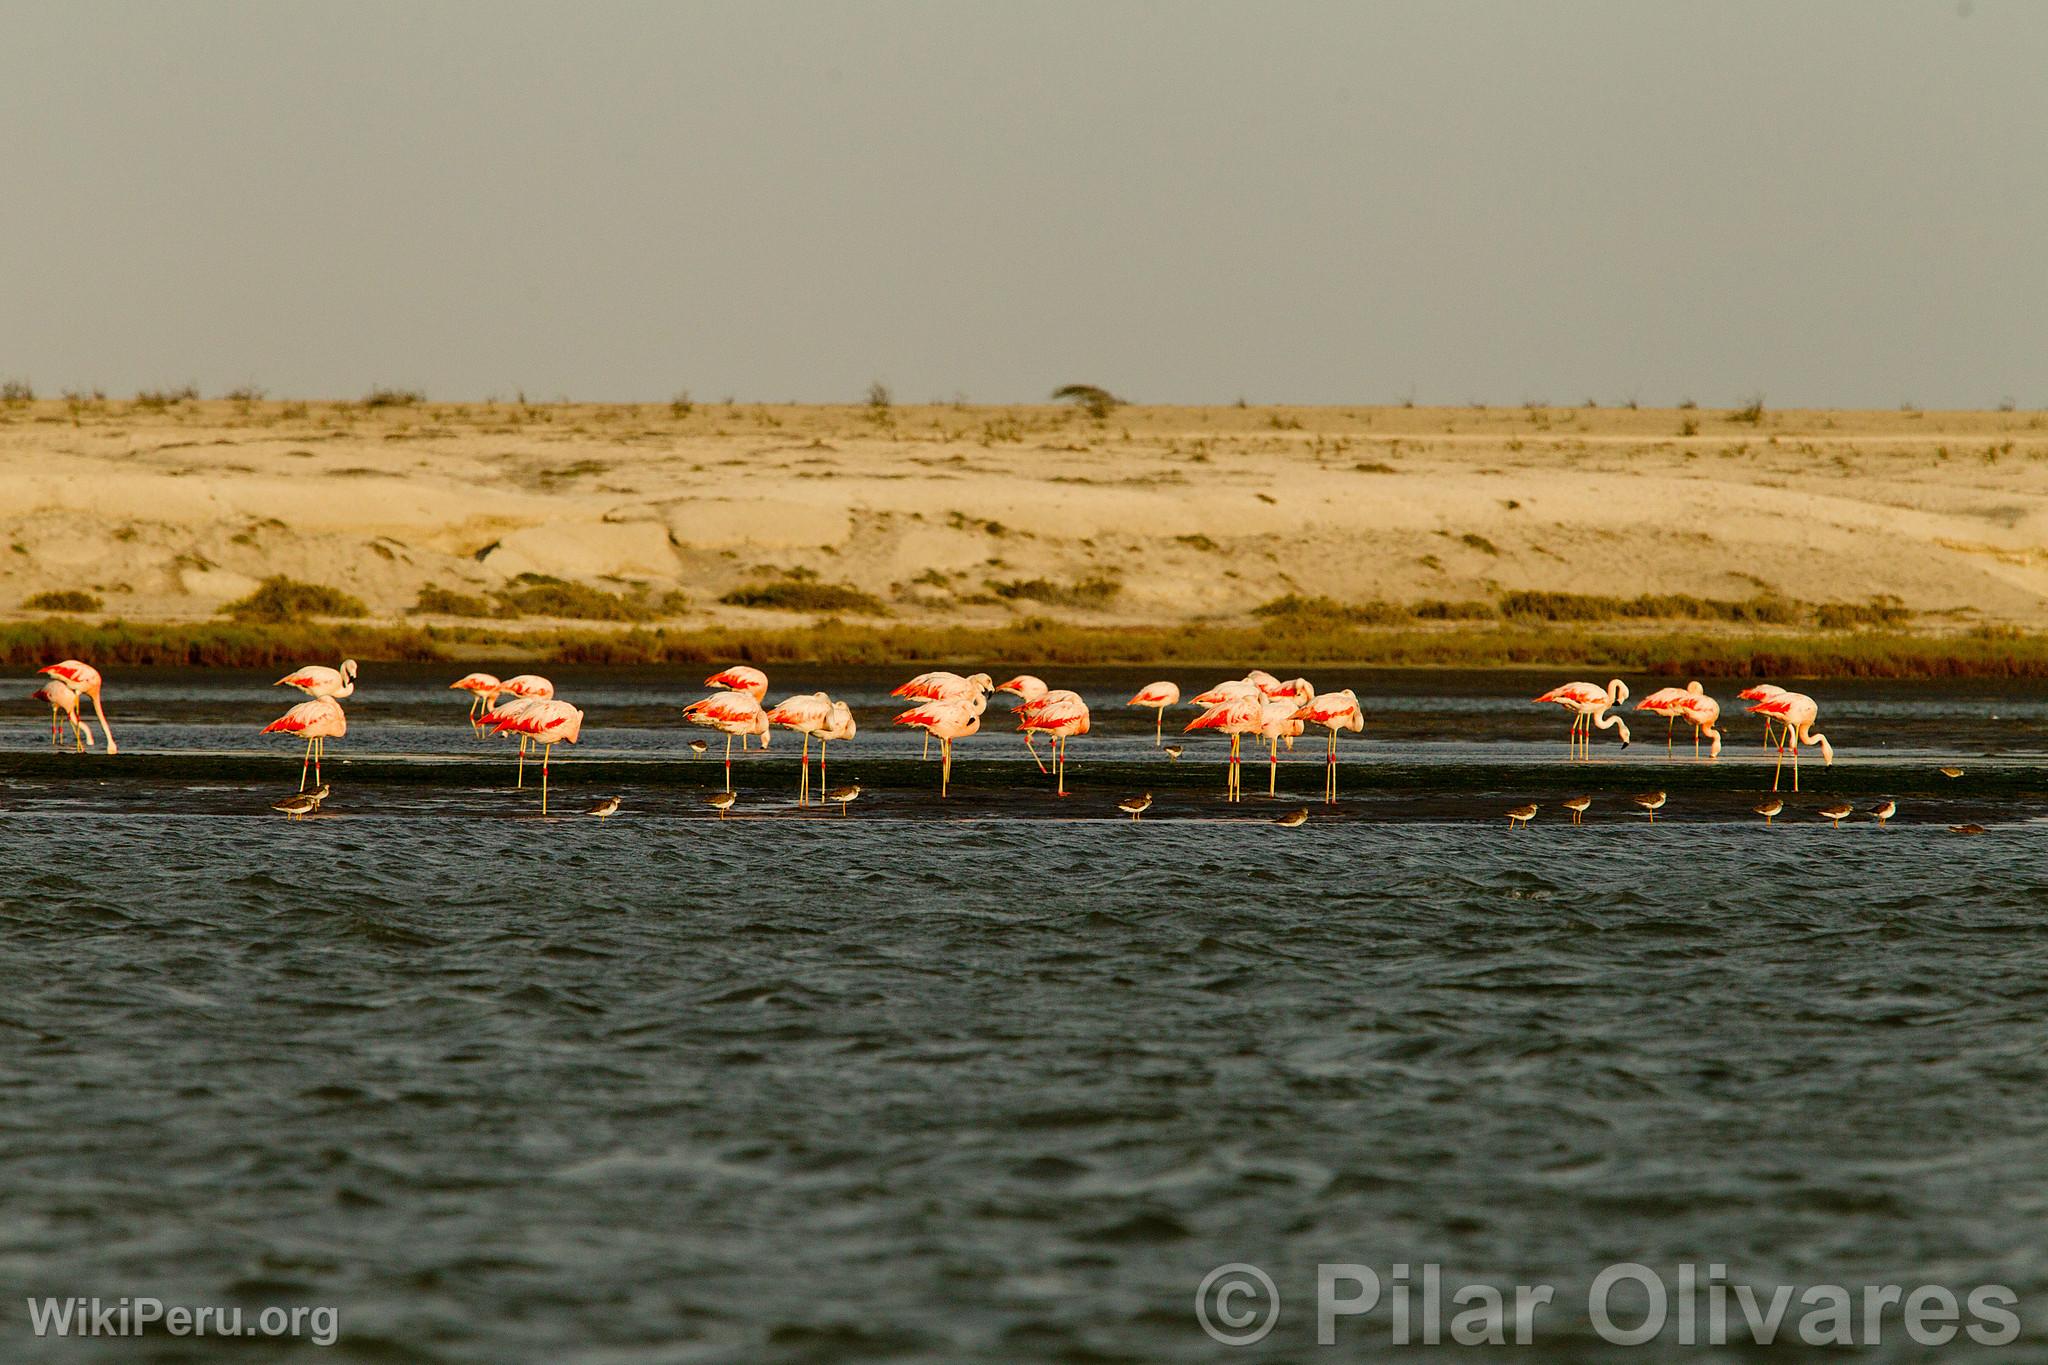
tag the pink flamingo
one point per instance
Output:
(525, 687)
(1335, 711)
(1668, 702)
(946, 720)
(63, 698)
(317, 680)
(1158, 696)
(1236, 716)
(1763, 692)
(735, 713)
(1795, 712)
(1588, 703)
(1028, 689)
(317, 722)
(546, 722)
(839, 725)
(1060, 715)
(1279, 718)
(1239, 689)
(808, 714)
(940, 685)
(85, 680)
(742, 678)
(1704, 713)
(483, 689)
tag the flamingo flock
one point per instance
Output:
(951, 707)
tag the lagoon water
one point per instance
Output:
(903, 1086)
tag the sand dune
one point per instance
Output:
(1192, 512)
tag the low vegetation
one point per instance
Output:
(1083, 594)
(63, 599)
(533, 594)
(802, 592)
(1092, 399)
(383, 397)
(281, 600)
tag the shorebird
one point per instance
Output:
(1966, 829)
(605, 808)
(1173, 752)
(698, 746)
(1769, 808)
(1135, 806)
(1837, 811)
(1796, 712)
(315, 721)
(1885, 810)
(845, 796)
(1158, 696)
(1294, 819)
(318, 680)
(1651, 803)
(1058, 715)
(1951, 772)
(85, 680)
(735, 713)
(1334, 711)
(721, 802)
(546, 722)
(1577, 806)
(1521, 815)
(1589, 704)
(298, 806)
(483, 689)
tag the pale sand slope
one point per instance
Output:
(1198, 512)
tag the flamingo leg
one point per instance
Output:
(1669, 722)
(1795, 763)
(926, 755)
(821, 769)
(1273, 769)
(1029, 737)
(945, 766)
(803, 790)
(303, 762)
(728, 766)
(521, 784)
(1062, 741)
(1158, 726)
(319, 752)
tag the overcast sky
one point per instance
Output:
(1836, 202)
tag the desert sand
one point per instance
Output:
(167, 512)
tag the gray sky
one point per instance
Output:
(1836, 202)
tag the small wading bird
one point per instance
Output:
(946, 687)
(1885, 810)
(1135, 806)
(317, 680)
(1173, 753)
(1836, 812)
(734, 713)
(845, 796)
(316, 722)
(85, 680)
(1158, 696)
(1650, 803)
(1522, 815)
(1665, 702)
(604, 809)
(946, 721)
(721, 802)
(1294, 819)
(1795, 712)
(545, 721)
(1027, 689)
(63, 698)
(1951, 772)
(1577, 806)
(1059, 715)
(1589, 705)
(809, 714)
(697, 747)
(1769, 808)
(303, 804)
(483, 689)
(1334, 711)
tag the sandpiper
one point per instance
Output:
(1885, 810)
(1294, 819)
(1651, 803)
(721, 802)
(1951, 772)
(1837, 812)
(1769, 808)
(1521, 815)
(1135, 806)
(1173, 752)
(1577, 806)
(697, 747)
(298, 805)
(845, 796)
(608, 806)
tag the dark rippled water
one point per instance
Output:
(662, 1089)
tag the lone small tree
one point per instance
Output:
(1092, 399)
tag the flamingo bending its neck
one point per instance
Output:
(85, 680)
(1158, 696)
(1027, 689)
(1060, 715)
(1795, 712)
(483, 689)
(63, 698)
(1667, 702)
(1335, 711)
(1589, 703)
(1763, 692)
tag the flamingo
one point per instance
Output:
(1158, 696)
(736, 713)
(1588, 704)
(946, 721)
(1334, 711)
(1795, 712)
(85, 680)
(1236, 716)
(1665, 702)
(1763, 692)
(1704, 713)
(839, 724)
(940, 685)
(487, 724)
(483, 689)
(547, 722)
(1027, 689)
(741, 678)
(64, 698)
(317, 721)
(1059, 715)
(808, 714)
(525, 687)
(1278, 720)
(317, 680)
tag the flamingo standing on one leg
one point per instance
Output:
(1763, 692)
(742, 678)
(1704, 713)
(525, 687)
(483, 689)
(63, 698)
(85, 680)
(1158, 696)
(547, 722)
(1027, 689)
(1665, 702)
(1795, 712)
(808, 714)
(317, 680)
(1334, 711)
(1279, 718)
(940, 685)
(839, 724)
(1236, 716)
(316, 722)
(1060, 715)
(735, 713)
(946, 721)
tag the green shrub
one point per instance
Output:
(283, 599)
(63, 599)
(383, 397)
(435, 600)
(803, 594)
(1085, 594)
